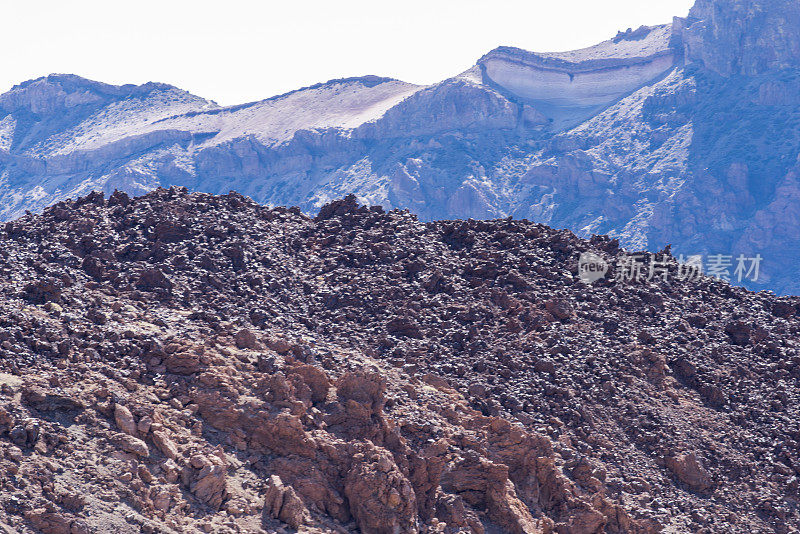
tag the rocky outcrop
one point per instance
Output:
(743, 36)
(282, 503)
(689, 470)
(382, 499)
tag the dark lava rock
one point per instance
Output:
(452, 370)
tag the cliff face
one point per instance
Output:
(686, 134)
(748, 37)
(583, 80)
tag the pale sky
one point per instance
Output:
(237, 51)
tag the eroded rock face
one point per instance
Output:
(282, 503)
(584, 79)
(743, 36)
(207, 479)
(382, 499)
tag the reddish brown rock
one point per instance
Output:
(125, 420)
(503, 416)
(208, 479)
(381, 498)
(152, 278)
(561, 309)
(316, 380)
(131, 444)
(246, 339)
(51, 521)
(690, 471)
(183, 363)
(164, 443)
(282, 503)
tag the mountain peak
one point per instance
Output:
(369, 80)
(749, 37)
(54, 92)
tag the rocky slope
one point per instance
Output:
(684, 134)
(183, 362)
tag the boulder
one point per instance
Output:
(690, 471)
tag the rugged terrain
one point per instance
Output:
(185, 362)
(685, 134)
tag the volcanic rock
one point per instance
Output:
(365, 371)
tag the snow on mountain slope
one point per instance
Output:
(635, 45)
(116, 121)
(344, 104)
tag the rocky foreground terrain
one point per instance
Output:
(193, 363)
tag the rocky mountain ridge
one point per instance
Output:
(685, 134)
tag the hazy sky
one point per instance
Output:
(236, 51)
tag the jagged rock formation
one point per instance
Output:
(682, 134)
(743, 36)
(183, 362)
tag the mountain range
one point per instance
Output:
(685, 134)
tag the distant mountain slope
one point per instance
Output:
(685, 134)
(63, 135)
